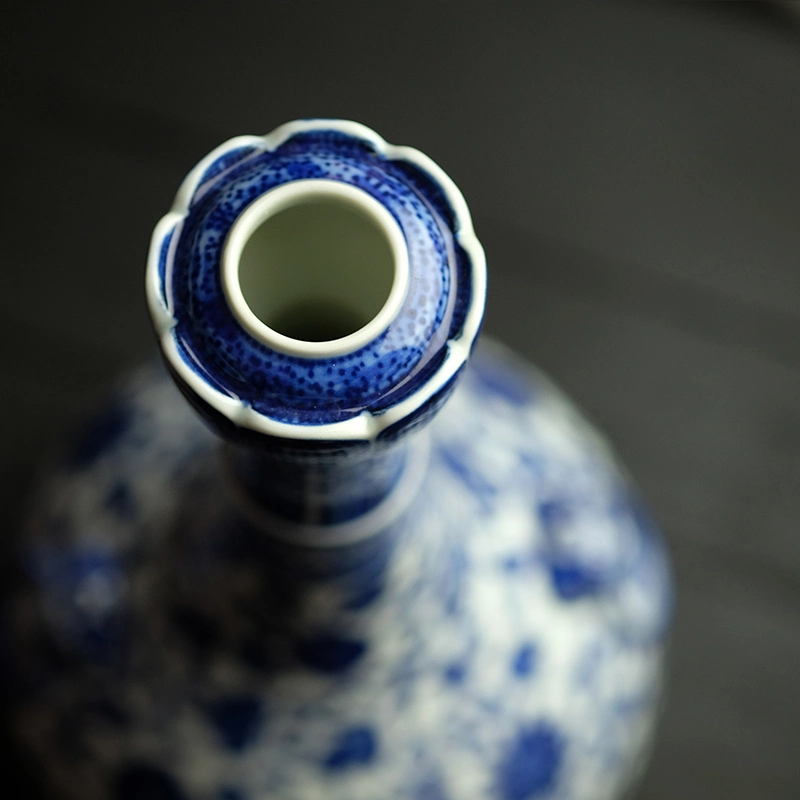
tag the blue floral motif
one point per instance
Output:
(237, 720)
(119, 499)
(328, 653)
(87, 588)
(455, 673)
(355, 747)
(100, 434)
(524, 662)
(429, 643)
(531, 767)
(431, 790)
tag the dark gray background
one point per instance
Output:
(634, 174)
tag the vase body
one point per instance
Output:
(465, 606)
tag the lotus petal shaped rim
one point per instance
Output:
(366, 426)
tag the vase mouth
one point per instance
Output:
(386, 370)
(315, 268)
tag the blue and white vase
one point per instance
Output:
(349, 599)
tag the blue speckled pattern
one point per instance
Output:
(501, 641)
(315, 390)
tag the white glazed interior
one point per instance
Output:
(315, 268)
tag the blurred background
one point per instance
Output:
(634, 174)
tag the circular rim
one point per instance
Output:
(292, 194)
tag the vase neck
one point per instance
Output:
(351, 491)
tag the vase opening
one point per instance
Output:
(315, 268)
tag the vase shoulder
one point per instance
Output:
(497, 633)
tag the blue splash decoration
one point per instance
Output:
(454, 674)
(574, 581)
(99, 435)
(237, 720)
(511, 387)
(531, 767)
(330, 653)
(229, 159)
(524, 661)
(477, 483)
(365, 597)
(574, 576)
(431, 790)
(511, 564)
(554, 512)
(86, 591)
(120, 501)
(355, 747)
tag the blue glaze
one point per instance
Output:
(86, 596)
(578, 572)
(355, 747)
(316, 390)
(431, 790)
(572, 581)
(524, 662)
(531, 768)
(476, 482)
(552, 512)
(283, 388)
(455, 674)
(120, 501)
(227, 160)
(450, 587)
(348, 482)
(163, 259)
(238, 720)
(422, 415)
(510, 386)
(364, 597)
(330, 654)
(99, 435)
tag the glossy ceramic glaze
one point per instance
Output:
(342, 601)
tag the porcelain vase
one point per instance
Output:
(360, 567)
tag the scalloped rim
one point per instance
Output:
(366, 426)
